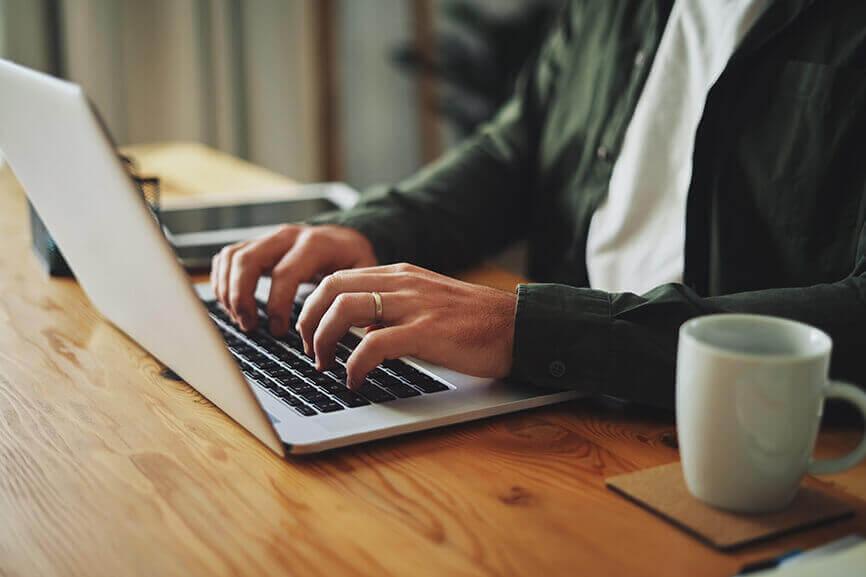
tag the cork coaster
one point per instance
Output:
(662, 490)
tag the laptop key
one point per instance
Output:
(290, 382)
(328, 406)
(260, 339)
(331, 386)
(342, 353)
(292, 339)
(313, 396)
(269, 366)
(400, 390)
(293, 400)
(373, 393)
(258, 379)
(394, 364)
(258, 358)
(300, 387)
(282, 373)
(393, 385)
(272, 346)
(350, 340)
(405, 371)
(294, 362)
(322, 380)
(349, 398)
(428, 384)
(268, 384)
(305, 410)
(338, 371)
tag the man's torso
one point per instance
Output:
(777, 190)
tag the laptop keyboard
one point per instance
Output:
(281, 367)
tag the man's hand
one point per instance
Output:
(292, 255)
(461, 326)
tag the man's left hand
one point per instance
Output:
(461, 326)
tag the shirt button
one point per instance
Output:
(639, 58)
(556, 369)
(602, 153)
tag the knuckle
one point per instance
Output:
(405, 277)
(314, 231)
(286, 230)
(282, 273)
(308, 235)
(304, 324)
(244, 256)
(331, 282)
(376, 342)
(404, 267)
(341, 303)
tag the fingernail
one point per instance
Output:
(349, 383)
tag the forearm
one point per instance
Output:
(624, 345)
(464, 207)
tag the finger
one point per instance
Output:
(349, 281)
(401, 267)
(225, 256)
(246, 268)
(349, 310)
(214, 273)
(248, 265)
(376, 347)
(300, 264)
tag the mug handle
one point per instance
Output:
(856, 397)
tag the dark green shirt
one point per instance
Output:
(776, 205)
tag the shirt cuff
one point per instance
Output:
(562, 337)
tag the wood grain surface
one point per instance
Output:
(106, 468)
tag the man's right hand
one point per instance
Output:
(290, 256)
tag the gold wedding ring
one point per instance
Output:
(377, 302)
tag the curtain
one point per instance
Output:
(236, 75)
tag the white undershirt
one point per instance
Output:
(637, 236)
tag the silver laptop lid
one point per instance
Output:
(61, 155)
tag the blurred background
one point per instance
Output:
(363, 91)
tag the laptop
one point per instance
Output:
(62, 155)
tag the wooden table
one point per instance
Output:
(106, 468)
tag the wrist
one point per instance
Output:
(507, 307)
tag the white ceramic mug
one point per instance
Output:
(749, 397)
